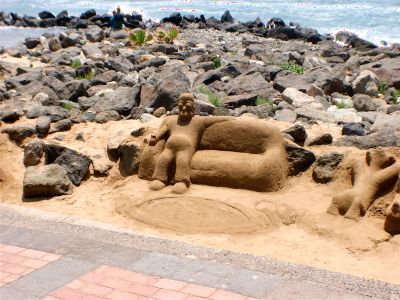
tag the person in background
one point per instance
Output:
(117, 20)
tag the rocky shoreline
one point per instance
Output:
(286, 73)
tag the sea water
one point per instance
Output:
(374, 20)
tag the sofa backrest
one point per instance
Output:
(247, 136)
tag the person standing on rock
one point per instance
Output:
(117, 20)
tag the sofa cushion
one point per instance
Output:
(238, 136)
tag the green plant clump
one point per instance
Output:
(395, 96)
(217, 62)
(168, 37)
(383, 87)
(212, 98)
(293, 67)
(262, 101)
(76, 63)
(340, 105)
(68, 106)
(140, 37)
(88, 76)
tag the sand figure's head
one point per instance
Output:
(378, 158)
(186, 107)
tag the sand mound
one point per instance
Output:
(291, 224)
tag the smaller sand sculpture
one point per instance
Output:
(218, 151)
(183, 133)
(373, 175)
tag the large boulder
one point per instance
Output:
(95, 34)
(46, 181)
(352, 40)
(366, 83)
(390, 122)
(19, 132)
(122, 100)
(46, 15)
(300, 100)
(387, 70)
(227, 18)
(93, 52)
(248, 84)
(76, 164)
(170, 83)
(366, 103)
(382, 138)
(31, 43)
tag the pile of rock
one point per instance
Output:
(288, 73)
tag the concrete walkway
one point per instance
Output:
(52, 256)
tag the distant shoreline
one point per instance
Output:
(62, 21)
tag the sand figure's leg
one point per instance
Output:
(341, 203)
(160, 176)
(182, 173)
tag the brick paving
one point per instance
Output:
(107, 282)
(16, 262)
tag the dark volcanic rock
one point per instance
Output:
(353, 129)
(227, 18)
(33, 152)
(76, 164)
(174, 18)
(299, 159)
(354, 41)
(325, 167)
(46, 15)
(88, 14)
(298, 133)
(382, 138)
(122, 100)
(323, 139)
(31, 43)
(19, 132)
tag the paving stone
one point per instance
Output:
(61, 271)
(7, 293)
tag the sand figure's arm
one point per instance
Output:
(388, 172)
(162, 132)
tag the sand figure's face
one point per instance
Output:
(186, 107)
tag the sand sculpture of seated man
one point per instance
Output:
(182, 134)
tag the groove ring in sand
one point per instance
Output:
(193, 214)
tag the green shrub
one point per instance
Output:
(88, 76)
(293, 67)
(68, 106)
(212, 98)
(340, 104)
(262, 101)
(168, 37)
(383, 87)
(140, 37)
(395, 96)
(217, 62)
(76, 63)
